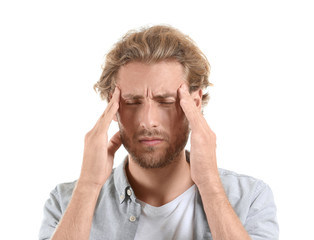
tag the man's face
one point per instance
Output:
(153, 127)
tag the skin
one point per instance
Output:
(149, 103)
(152, 124)
(149, 129)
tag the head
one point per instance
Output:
(152, 45)
(149, 66)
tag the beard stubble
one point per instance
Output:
(155, 156)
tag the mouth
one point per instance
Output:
(150, 141)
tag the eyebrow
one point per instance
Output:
(132, 96)
(165, 95)
(159, 96)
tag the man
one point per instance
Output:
(153, 80)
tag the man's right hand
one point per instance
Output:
(96, 168)
(98, 152)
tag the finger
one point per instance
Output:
(108, 115)
(114, 144)
(192, 113)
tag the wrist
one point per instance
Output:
(211, 184)
(87, 187)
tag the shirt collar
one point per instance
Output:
(122, 184)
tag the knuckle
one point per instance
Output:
(87, 137)
(88, 134)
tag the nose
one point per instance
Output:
(149, 118)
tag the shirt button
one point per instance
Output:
(132, 218)
(129, 192)
(122, 197)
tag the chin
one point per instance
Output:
(156, 159)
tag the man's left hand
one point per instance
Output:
(203, 141)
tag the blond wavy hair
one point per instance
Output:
(152, 45)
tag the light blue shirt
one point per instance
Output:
(117, 213)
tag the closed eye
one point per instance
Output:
(166, 102)
(132, 103)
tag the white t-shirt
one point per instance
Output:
(173, 220)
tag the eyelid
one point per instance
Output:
(166, 99)
(160, 100)
(166, 102)
(132, 102)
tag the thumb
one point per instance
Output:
(114, 144)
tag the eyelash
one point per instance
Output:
(137, 103)
(166, 102)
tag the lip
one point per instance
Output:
(150, 141)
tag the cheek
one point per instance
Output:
(173, 117)
(126, 116)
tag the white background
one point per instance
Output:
(261, 107)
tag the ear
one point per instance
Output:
(197, 97)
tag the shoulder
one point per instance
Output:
(62, 193)
(242, 186)
(253, 202)
(233, 179)
(64, 189)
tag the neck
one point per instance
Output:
(159, 186)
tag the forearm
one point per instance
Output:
(222, 220)
(77, 219)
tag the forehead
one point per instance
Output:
(157, 78)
